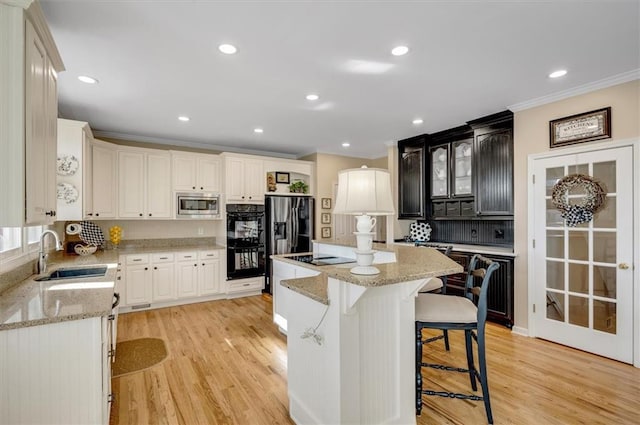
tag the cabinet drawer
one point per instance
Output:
(187, 256)
(467, 208)
(439, 209)
(453, 208)
(209, 255)
(245, 285)
(165, 257)
(138, 259)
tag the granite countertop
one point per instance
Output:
(32, 303)
(476, 249)
(411, 264)
(314, 287)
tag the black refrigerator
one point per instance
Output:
(288, 228)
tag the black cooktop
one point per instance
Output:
(321, 260)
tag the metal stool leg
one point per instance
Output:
(446, 339)
(469, 345)
(418, 369)
(483, 375)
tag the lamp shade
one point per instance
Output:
(364, 191)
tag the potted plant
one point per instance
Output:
(298, 186)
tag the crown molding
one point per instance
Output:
(187, 144)
(576, 91)
(24, 4)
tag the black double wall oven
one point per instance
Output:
(245, 241)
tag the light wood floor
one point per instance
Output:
(227, 365)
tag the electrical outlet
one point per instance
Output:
(200, 231)
(474, 233)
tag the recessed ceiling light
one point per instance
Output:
(417, 121)
(558, 73)
(184, 118)
(258, 130)
(399, 50)
(227, 49)
(87, 79)
(313, 97)
(346, 144)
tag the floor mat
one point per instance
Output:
(137, 355)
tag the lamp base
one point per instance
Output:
(364, 270)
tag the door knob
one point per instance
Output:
(623, 266)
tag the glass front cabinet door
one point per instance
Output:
(462, 167)
(440, 171)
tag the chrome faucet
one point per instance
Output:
(42, 256)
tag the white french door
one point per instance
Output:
(583, 275)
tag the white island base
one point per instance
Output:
(363, 370)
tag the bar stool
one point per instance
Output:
(437, 285)
(436, 311)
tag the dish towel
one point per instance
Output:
(91, 233)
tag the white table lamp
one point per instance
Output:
(364, 192)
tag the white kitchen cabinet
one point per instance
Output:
(29, 61)
(58, 373)
(163, 277)
(187, 274)
(209, 272)
(144, 184)
(74, 153)
(245, 180)
(101, 181)
(138, 279)
(196, 172)
(281, 296)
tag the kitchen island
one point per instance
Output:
(350, 347)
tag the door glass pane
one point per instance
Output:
(578, 169)
(604, 316)
(606, 217)
(555, 243)
(555, 275)
(554, 219)
(555, 306)
(462, 164)
(578, 245)
(605, 174)
(579, 311)
(553, 175)
(604, 281)
(579, 278)
(604, 247)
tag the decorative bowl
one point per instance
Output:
(85, 249)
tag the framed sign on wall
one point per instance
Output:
(580, 128)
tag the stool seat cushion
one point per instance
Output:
(437, 308)
(432, 284)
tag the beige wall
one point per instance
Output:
(531, 136)
(327, 167)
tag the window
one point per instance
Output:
(15, 241)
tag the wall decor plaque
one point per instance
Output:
(580, 128)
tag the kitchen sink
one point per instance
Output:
(74, 273)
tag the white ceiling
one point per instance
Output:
(156, 60)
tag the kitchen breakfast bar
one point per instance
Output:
(351, 338)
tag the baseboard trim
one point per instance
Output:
(520, 331)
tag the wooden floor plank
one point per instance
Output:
(227, 365)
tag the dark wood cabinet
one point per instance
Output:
(412, 178)
(493, 159)
(500, 295)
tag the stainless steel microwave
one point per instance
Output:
(198, 205)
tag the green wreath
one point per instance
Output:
(590, 204)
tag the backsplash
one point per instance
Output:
(476, 232)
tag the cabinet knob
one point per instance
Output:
(201, 188)
(195, 265)
(89, 214)
(203, 264)
(193, 187)
(140, 214)
(249, 197)
(149, 214)
(155, 268)
(146, 268)
(243, 197)
(97, 214)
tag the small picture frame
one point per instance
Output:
(326, 232)
(282, 177)
(326, 203)
(325, 218)
(580, 128)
